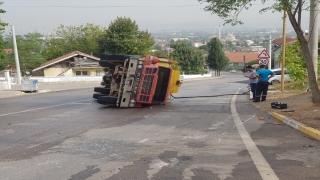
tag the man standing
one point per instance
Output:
(252, 81)
(262, 86)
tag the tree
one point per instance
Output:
(229, 11)
(295, 63)
(2, 27)
(67, 39)
(190, 61)
(30, 47)
(216, 58)
(124, 37)
(158, 53)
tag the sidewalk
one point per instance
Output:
(48, 87)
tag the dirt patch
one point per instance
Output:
(304, 110)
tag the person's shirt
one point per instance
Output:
(252, 74)
(264, 74)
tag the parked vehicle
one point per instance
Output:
(277, 78)
(133, 81)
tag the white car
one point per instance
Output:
(277, 78)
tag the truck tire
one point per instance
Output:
(102, 90)
(106, 80)
(97, 95)
(107, 100)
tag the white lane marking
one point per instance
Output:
(19, 112)
(144, 140)
(260, 162)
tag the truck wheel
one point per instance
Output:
(106, 80)
(107, 100)
(102, 90)
(97, 95)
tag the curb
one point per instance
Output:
(45, 91)
(297, 125)
(35, 92)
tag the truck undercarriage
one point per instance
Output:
(132, 81)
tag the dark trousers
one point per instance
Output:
(253, 87)
(262, 90)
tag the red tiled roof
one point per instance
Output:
(280, 40)
(8, 51)
(64, 57)
(237, 57)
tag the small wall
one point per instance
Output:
(4, 85)
(192, 76)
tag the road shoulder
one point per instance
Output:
(314, 133)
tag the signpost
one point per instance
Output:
(263, 62)
(263, 58)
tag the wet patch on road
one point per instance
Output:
(244, 171)
(243, 153)
(91, 170)
(138, 170)
(201, 174)
(196, 144)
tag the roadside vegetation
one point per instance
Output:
(230, 10)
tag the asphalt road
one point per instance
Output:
(66, 135)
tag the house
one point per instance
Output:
(75, 63)
(8, 51)
(239, 59)
(172, 40)
(277, 49)
(198, 44)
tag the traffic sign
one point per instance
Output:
(264, 55)
(263, 61)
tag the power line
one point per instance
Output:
(117, 6)
(178, 6)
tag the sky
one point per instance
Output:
(45, 16)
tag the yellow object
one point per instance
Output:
(175, 76)
(175, 81)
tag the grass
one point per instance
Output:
(294, 86)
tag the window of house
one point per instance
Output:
(99, 73)
(82, 73)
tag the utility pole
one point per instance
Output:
(313, 34)
(16, 57)
(219, 33)
(283, 49)
(270, 53)
(244, 63)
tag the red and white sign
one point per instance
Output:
(263, 61)
(264, 55)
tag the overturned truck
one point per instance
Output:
(134, 81)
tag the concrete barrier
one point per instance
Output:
(5, 83)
